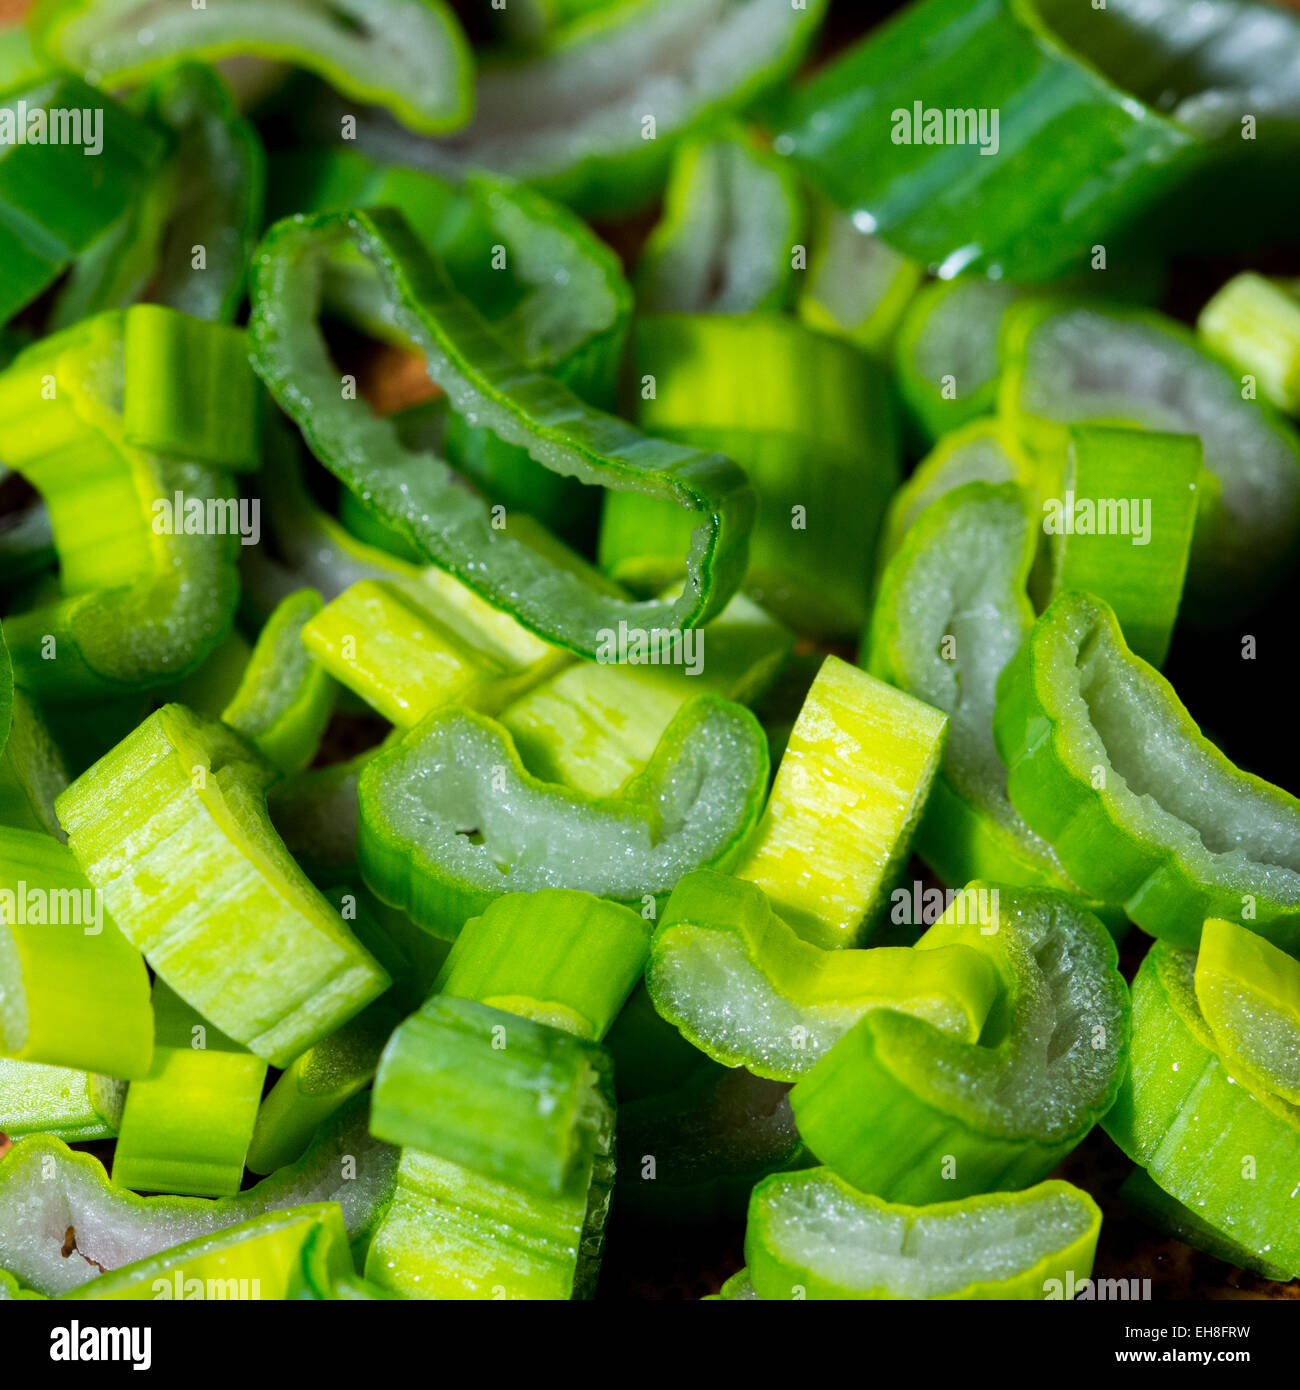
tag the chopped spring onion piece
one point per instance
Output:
(558, 957)
(75, 1106)
(1105, 763)
(857, 285)
(189, 392)
(595, 724)
(285, 699)
(844, 805)
(316, 1084)
(811, 421)
(744, 988)
(417, 494)
(733, 218)
(1123, 527)
(258, 1259)
(1072, 363)
(407, 55)
(146, 597)
(186, 1125)
(737, 1289)
(407, 651)
(449, 819)
(207, 195)
(452, 1233)
(913, 1114)
(517, 1101)
(180, 802)
(984, 174)
(73, 989)
(591, 116)
(1254, 323)
(47, 1188)
(1228, 1156)
(811, 1236)
(32, 772)
(1249, 993)
(54, 201)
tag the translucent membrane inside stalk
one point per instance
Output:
(820, 1234)
(725, 245)
(47, 1189)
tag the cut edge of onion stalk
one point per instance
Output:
(1105, 763)
(812, 1236)
(1254, 323)
(745, 989)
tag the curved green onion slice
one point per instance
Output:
(32, 772)
(908, 1112)
(177, 807)
(449, 819)
(187, 240)
(1229, 1156)
(733, 220)
(1105, 763)
(1071, 363)
(958, 130)
(591, 116)
(1254, 324)
(741, 985)
(186, 1125)
(852, 783)
(75, 1106)
(285, 698)
(73, 989)
(417, 494)
(555, 956)
(47, 1189)
(407, 55)
(812, 1236)
(1249, 993)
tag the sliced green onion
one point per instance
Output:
(32, 773)
(592, 115)
(810, 1235)
(407, 55)
(73, 989)
(47, 1188)
(744, 988)
(844, 805)
(285, 699)
(912, 1114)
(416, 492)
(1074, 363)
(186, 1125)
(1254, 323)
(726, 244)
(1249, 993)
(57, 197)
(75, 1106)
(1207, 1142)
(1105, 763)
(176, 807)
(512, 1099)
(810, 420)
(959, 130)
(556, 956)
(450, 820)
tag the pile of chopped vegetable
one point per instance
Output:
(597, 605)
